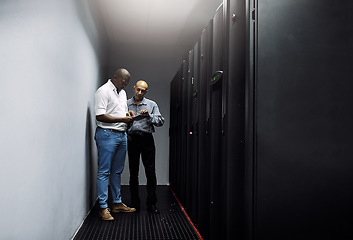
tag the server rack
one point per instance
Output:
(204, 159)
(176, 164)
(184, 128)
(274, 127)
(217, 131)
(194, 133)
(180, 153)
(173, 131)
(216, 166)
(235, 75)
(188, 131)
(302, 107)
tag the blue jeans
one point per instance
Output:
(111, 159)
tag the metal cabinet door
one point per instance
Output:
(217, 141)
(303, 120)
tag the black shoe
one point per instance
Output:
(136, 204)
(152, 209)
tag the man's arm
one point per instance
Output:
(106, 118)
(156, 117)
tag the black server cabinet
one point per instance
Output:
(184, 129)
(217, 140)
(194, 133)
(272, 153)
(234, 76)
(176, 164)
(302, 121)
(203, 222)
(189, 136)
(181, 159)
(173, 130)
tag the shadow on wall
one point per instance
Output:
(90, 163)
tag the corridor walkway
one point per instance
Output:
(171, 223)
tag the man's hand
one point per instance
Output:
(144, 112)
(131, 114)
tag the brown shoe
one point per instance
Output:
(121, 207)
(105, 215)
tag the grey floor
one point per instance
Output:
(171, 223)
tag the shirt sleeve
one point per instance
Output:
(101, 102)
(126, 106)
(156, 117)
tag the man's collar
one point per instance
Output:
(143, 102)
(112, 86)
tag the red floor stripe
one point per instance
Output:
(187, 216)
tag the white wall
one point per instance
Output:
(49, 72)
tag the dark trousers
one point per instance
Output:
(142, 145)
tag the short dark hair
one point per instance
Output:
(122, 73)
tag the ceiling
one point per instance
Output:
(147, 33)
(150, 22)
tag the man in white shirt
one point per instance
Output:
(112, 116)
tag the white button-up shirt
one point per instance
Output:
(109, 101)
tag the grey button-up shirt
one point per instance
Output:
(144, 124)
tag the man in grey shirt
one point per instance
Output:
(141, 142)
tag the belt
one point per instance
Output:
(139, 134)
(116, 131)
(113, 130)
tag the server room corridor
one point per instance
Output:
(54, 56)
(171, 223)
(257, 100)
